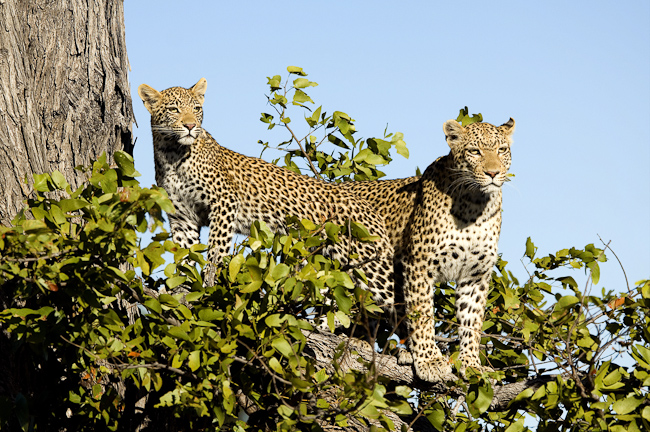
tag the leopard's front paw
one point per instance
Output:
(404, 357)
(474, 365)
(433, 370)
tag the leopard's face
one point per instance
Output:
(481, 154)
(176, 113)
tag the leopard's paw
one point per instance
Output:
(434, 370)
(473, 365)
(404, 357)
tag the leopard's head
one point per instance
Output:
(481, 154)
(176, 113)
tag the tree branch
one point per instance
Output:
(322, 347)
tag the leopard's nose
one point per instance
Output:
(190, 126)
(492, 173)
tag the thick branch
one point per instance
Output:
(322, 347)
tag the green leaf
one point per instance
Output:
(343, 318)
(479, 399)
(168, 300)
(566, 302)
(280, 271)
(34, 225)
(313, 120)
(153, 305)
(300, 97)
(332, 230)
(296, 70)
(281, 344)
(627, 405)
(320, 376)
(234, 266)
(70, 205)
(369, 411)
(645, 413)
(178, 333)
(642, 352)
(126, 164)
(530, 249)
(209, 315)
(300, 83)
(194, 360)
(59, 180)
(510, 299)
(568, 280)
(57, 214)
(337, 141)
(43, 183)
(465, 119)
(175, 281)
(403, 391)
(437, 418)
(275, 82)
(595, 271)
(275, 365)
(360, 231)
(400, 146)
(342, 300)
(275, 320)
(517, 426)
(309, 225)
(401, 407)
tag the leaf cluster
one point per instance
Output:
(360, 157)
(98, 322)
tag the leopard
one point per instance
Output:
(444, 227)
(211, 185)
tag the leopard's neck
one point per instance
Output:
(468, 205)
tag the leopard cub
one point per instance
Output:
(213, 186)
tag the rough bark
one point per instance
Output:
(64, 92)
(64, 99)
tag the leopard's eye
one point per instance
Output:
(197, 108)
(474, 152)
(174, 109)
(503, 150)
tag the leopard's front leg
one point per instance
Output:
(222, 231)
(185, 225)
(471, 297)
(429, 362)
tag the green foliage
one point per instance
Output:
(465, 119)
(193, 351)
(361, 157)
(74, 277)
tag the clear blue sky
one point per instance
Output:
(574, 75)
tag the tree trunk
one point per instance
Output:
(64, 100)
(65, 95)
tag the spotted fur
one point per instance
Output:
(213, 186)
(445, 227)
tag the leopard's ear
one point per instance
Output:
(149, 96)
(508, 128)
(454, 132)
(199, 89)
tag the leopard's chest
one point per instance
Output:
(183, 177)
(461, 251)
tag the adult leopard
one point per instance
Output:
(445, 226)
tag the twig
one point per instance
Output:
(246, 362)
(619, 263)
